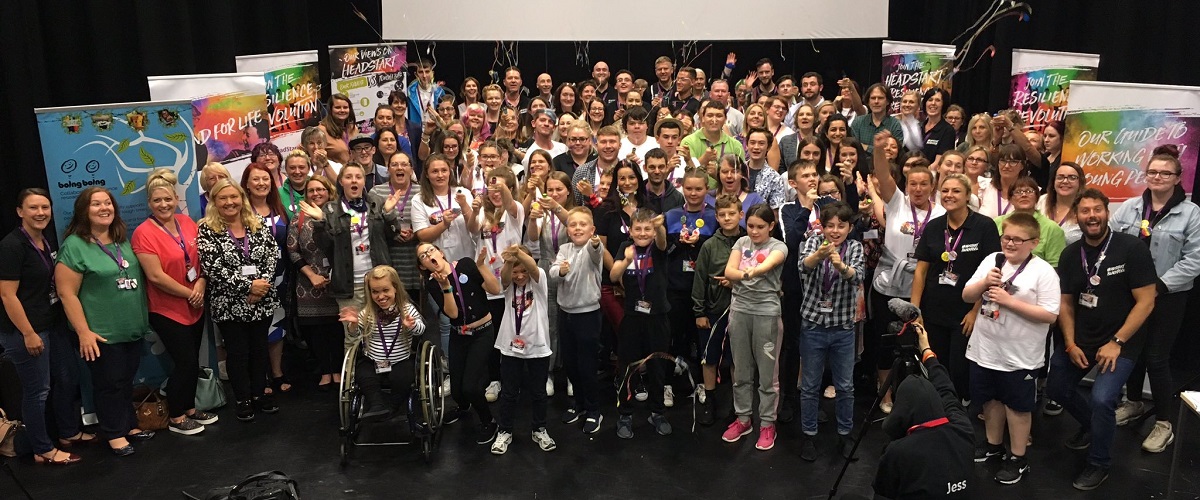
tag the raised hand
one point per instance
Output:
(312, 210)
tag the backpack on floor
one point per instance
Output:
(271, 485)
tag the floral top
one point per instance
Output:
(304, 251)
(231, 267)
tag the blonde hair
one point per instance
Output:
(987, 121)
(582, 212)
(209, 169)
(491, 213)
(333, 194)
(161, 178)
(370, 309)
(298, 153)
(213, 219)
(962, 178)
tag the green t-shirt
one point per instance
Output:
(1051, 241)
(119, 315)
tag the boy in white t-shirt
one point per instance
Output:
(1021, 296)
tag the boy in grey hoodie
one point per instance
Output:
(577, 268)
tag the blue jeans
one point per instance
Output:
(817, 345)
(57, 367)
(1096, 414)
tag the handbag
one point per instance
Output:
(210, 394)
(151, 412)
(8, 435)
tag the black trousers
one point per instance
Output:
(112, 387)
(469, 369)
(246, 356)
(496, 306)
(401, 377)
(951, 347)
(579, 341)
(328, 344)
(640, 336)
(520, 375)
(789, 354)
(1160, 330)
(183, 345)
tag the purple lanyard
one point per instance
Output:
(243, 242)
(829, 275)
(404, 203)
(387, 349)
(1063, 220)
(1008, 282)
(458, 292)
(1002, 210)
(554, 232)
(118, 258)
(1092, 271)
(439, 200)
(624, 226)
(362, 219)
(918, 230)
(640, 268)
(723, 143)
(44, 256)
(187, 259)
(952, 248)
(519, 305)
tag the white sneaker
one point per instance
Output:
(493, 392)
(570, 389)
(1131, 410)
(550, 386)
(543, 440)
(641, 395)
(1160, 438)
(500, 445)
(446, 387)
(701, 394)
(668, 396)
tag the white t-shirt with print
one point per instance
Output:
(533, 340)
(1012, 342)
(456, 242)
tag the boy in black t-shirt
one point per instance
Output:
(645, 329)
(1108, 283)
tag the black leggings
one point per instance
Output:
(327, 340)
(877, 347)
(246, 356)
(469, 369)
(950, 345)
(1160, 330)
(402, 377)
(496, 306)
(183, 345)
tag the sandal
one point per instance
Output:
(279, 382)
(81, 438)
(42, 459)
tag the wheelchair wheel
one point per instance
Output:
(431, 372)
(349, 403)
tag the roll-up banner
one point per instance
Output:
(293, 86)
(911, 66)
(1041, 83)
(367, 74)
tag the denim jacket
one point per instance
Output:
(1174, 245)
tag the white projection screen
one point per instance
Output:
(632, 20)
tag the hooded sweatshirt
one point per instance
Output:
(928, 457)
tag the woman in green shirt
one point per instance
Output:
(1024, 194)
(101, 287)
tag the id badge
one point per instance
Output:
(948, 278)
(325, 263)
(642, 307)
(355, 220)
(132, 283)
(122, 284)
(825, 306)
(517, 345)
(250, 270)
(53, 297)
(383, 366)
(1089, 300)
(689, 266)
(990, 310)
(192, 274)
(911, 256)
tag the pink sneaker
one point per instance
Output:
(766, 438)
(735, 431)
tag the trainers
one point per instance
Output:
(245, 411)
(592, 424)
(500, 445)
(204, 418)
(1012, 470)
(187, 427)
(487, 432)
(641, 395)
(668, 396)
(1090, 478)
(985, 451)
(766, 438)
(1052, 408)
(846, 443)
(571, 415)
(543, 440)
(493, 392)
(266, 404)
(1131, 410)
(736, 430)
(570, 389)
(1080, 441)
(1158, 440)
(660, 424)
(704, 413)
(625, 427)
(808, 450)
(550, 386)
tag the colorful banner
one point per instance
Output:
(293, 87)
(367, 74)
(1041, 82)
(916, 66)
(1113, 128)
(228, 110)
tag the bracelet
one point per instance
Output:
(447, 290)
(927, 356)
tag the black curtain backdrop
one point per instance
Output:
(63, 53)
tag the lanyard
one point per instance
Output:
(493, 234)
(187, 259)
(1008, 282)
(1147, 223)
(243, 242)
(403, 203)
(554, 231)
(122, 266)
(930, 424)
(294, 197)
(829, 275)
(1002, 210)
(439, 200)
(640, 268)
(387, 349)
(458, 292)
(918, 230)
(362, 219)
(1063, 220)
(519, 305)
(1093, 279)
(952, 247)
(44, 255)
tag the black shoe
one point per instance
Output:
(808, 450)
(822, 417)
(846, 444)
(660, 424)
(266, 404)
(1090, 478)
(245, 411)
(571, 416)
(141, 436)
(704, 413)
(123, 451)
(1080, 441)
(787, 410)
(985, 451)
(487, 433)
(1012, 470)
(1052, 408)
(625, 427)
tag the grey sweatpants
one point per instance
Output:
(755, 341)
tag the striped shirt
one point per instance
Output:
(393, 342)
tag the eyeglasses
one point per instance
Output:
(1011, 162)
(362, 149)
(577, 139)
(828, 193)
(425, 255)
(490, 157)
(976, 160)
(1024, 192)
(316, 190)
(1070, 177)
(1160, 174)
(1006, 239)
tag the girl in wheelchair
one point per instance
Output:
(388, 324)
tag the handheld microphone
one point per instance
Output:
(905, 310)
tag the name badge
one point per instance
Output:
(990, 310)
(192, 274)
(249, 270)
(1089, 300)
(354, 219)
(642, 306)
(825, 306)
(517, 345)
(127, 284)
(325, 262)
(948, 278)
(53, 297)
(689, 266)
(383, 366)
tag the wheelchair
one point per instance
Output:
(426, 406)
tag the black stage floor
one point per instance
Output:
(302, 441)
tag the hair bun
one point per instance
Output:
(1171, 150)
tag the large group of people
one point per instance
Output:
(621, 232)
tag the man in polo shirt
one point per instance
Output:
(866, 126)
(543, 133)
(710, 142)
(1108, 290)
(608, 143)
(719, 92)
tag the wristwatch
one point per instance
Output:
(1118, 341)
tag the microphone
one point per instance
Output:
(904, 309)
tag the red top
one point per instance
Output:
(150, 238)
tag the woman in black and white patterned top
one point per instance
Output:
(239, 255)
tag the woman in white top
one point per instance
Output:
(993, 198)
(914, 137)
(1059, 203)
(777, 108)
(907, 213)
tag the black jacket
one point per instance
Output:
(935, 462)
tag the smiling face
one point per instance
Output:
(1092, 215)
(229, 202)
(977, 164)
(756, 146)
(713, 119)
(297, 170)
(627, 180)
(624, 83)
(385, 118)
(656, 170)
(835, 131)
(400, 169)
(383, 293)
(596, 111)
(1161, 176)
(364, 152)
(755, 116)
(662, 70)
(951, 164)
(836, 230)
(269, 160)
(578, 142)
(493, 98)
(908, 104)
(1017, 252)
(600, 72)
(340, 109)
(545, 84)
(258, 184)
(538, 165)
(471, 89)
(607, 146)
(848, 155)
(933, 106)
(163, 202)
(587, 93)
(316, 193)
(777, 110)
(920, 186)
(1066, 182)
(954, 195)
(891, 149)
(580, 228)
(566, 97)
(35, 212)
(602, 189)
(544, 125)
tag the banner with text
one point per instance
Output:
(1041, 83)
(916, 66)
(228, 114)
(1113, 128)
(367, 74)
(293, 86)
